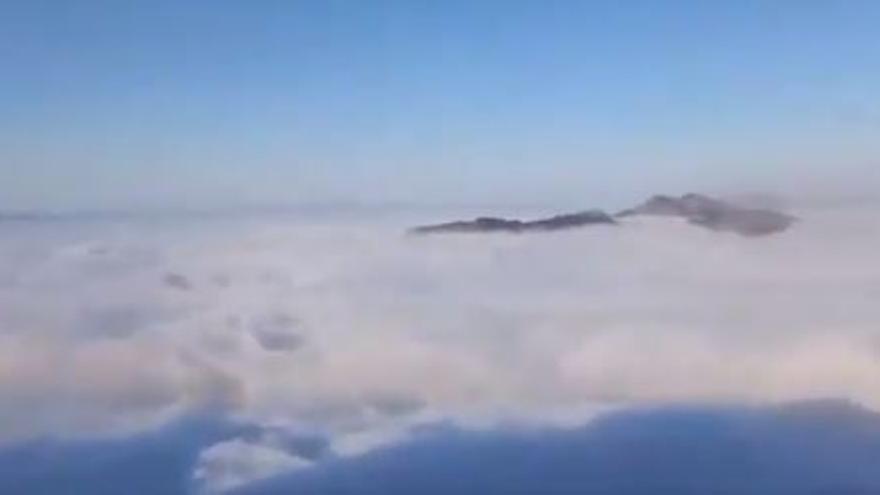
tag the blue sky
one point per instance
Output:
(119, 104)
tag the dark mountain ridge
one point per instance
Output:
(492, 224)
(715, 214)
(697, 209)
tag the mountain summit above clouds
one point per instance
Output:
(715, 214)
(492, 224)
(697, 209)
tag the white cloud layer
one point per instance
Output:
(234, 463)
(354, 330)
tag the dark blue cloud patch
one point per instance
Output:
(156, 462)
(819, 448)
(814, 448)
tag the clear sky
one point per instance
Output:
(167, 102)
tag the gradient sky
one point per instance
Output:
(120, 104)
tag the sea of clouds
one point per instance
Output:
(350, 330)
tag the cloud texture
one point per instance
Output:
(358, 333)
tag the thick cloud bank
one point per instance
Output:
(353, 332)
